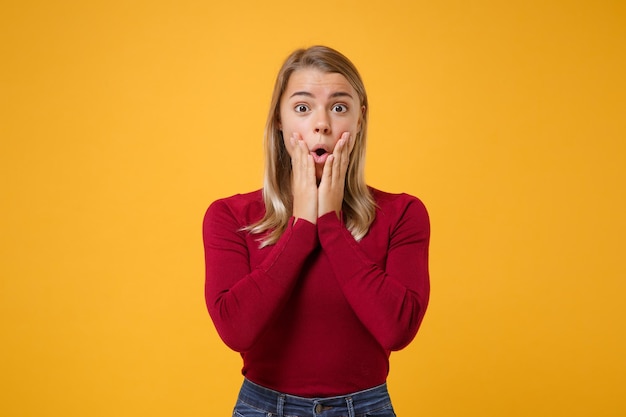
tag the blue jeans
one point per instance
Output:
(257, 401)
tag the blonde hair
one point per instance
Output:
(358, 204)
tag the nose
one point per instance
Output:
(322, 124)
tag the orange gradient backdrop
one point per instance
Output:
(121, 121)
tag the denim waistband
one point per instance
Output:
(280, 404)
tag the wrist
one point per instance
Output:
(322, 213)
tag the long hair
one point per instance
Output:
(358, 204)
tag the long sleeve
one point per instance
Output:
(243, 299)
(391, 299)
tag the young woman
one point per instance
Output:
(317, 277)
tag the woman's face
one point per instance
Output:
(319, 107)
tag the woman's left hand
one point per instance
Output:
(331, 188)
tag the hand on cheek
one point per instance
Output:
(331, 188)
(303, 183)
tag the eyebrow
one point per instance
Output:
(333, 95)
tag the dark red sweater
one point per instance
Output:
(318, 313)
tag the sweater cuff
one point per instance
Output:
(306, 231)
(330, 219)
(331, 230)
(344, 253)
(294, 246)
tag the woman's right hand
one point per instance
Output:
(303, 182)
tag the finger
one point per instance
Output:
(342, 158)
(345, 154)
(306, 159)
(342, 146)
(310, 169)
(351, 142)
(337, 158)
(327, 172)
(299, 156)
(346, 139)
(304, 162)
(293, 141)
(298, 162)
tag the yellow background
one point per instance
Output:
(120, 121)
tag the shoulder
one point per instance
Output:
(400, 215)
(240, 201)
(397, 203)
(242, 208)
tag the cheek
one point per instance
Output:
(354, 130)
(288, 129)
(352, 125)
(287, 119)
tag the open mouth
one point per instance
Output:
(320, 151)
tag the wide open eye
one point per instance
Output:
(301, 108)
(340, 108)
